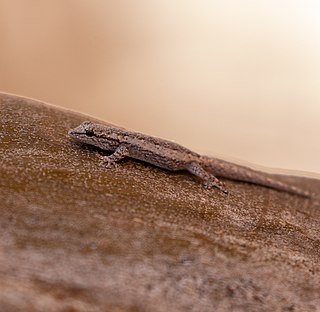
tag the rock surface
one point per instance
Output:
(78, 237)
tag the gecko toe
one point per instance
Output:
(212, 184)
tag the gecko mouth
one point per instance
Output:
(73, 132)
(75, 135)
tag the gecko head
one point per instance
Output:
(86, 129)
(94, 134)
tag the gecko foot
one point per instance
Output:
(107, 162)
(219, 185)
(210, 180)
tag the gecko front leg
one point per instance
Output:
(210, 180)
(121, 152)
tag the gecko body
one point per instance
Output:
(171, 156)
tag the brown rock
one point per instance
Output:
(78, 237)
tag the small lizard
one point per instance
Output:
(171, 156)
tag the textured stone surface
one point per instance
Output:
(78, 237)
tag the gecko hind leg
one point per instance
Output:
(210, 180)
(110, 161)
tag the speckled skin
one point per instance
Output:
(171, 156)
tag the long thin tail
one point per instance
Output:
(224, 169)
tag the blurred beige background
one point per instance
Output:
(236, 79)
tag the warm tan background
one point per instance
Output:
(238, 79)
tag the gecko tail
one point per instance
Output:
(224, 169)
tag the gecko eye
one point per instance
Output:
(89, 132)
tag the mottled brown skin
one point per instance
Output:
(171, 156)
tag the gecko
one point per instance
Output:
(171, 156)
